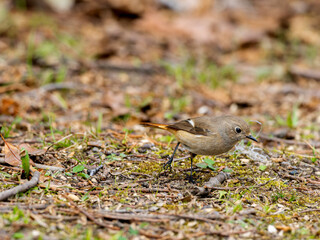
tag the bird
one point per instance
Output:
(206, 135)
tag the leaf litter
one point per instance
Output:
(73, 98)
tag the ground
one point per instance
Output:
(75, 84)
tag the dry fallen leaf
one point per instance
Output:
(303, 28)
(73, 197)
(9, 107)
(31, 150)
(12, 155)
(116, 101)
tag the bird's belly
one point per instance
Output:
(203, 145)
(208, 150)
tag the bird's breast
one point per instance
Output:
(204, 145)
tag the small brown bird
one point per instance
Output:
(206, 135)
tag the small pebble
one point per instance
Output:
(203, 110)
(63, 178)
(246, 235)
(293, 172)
(74, 197)
(35, 233)
(147, 146)
(142, 150)
(285, 164)
(272, 229)
(95, 149)
(94, 180)
(245, 160)
(281, 233)
(153, 208)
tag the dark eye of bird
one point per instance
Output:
(238, 130)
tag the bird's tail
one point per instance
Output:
(155, 125)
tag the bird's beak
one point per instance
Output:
(252, 138)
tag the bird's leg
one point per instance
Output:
(192, 156)
(168, 164)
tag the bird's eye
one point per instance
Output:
(238, 130)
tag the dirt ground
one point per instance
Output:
(77, 79)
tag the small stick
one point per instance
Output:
(21, 188)
(217, 180)
(47, 167)
(89, 216)
(316, 144)
(40, 166)
(310, 210)
(241, 187)
(305, 73)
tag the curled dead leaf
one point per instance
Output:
(12, 155)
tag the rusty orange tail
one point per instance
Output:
(155, 125)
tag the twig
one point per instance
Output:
(89, 216)
(241, 187)
(152, 190)
(310, 210)
(302, 179)
(60, 217)
(213, 183)
(140, 174)
(40, 166)
(312, 148)
(148, 70)
(149, 235)
(8, 208)
(62, 86)
(305, 73)
(135, 217)
(160, 217)
(47, 167)
(207, 218)
(217, 180)
(21, 188)
(315, 144)
(219, 233)
(93, 219)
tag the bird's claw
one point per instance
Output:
(167, 165)
(191, 179)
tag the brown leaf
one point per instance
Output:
(31, 150)
(283, 228)
(304, 29)
(12, 155)
(9, 106)
(115, 101)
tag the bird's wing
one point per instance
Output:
(191, 126)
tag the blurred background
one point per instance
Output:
(114, 63)
(77, 76)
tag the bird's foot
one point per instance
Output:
(191, 180)
(167, 165)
